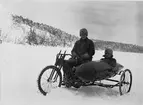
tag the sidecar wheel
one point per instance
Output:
(125, 82)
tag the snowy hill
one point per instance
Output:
(21, 65)
(26, 31)
(57, 37)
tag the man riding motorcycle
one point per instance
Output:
(82, 51)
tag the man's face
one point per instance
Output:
(83, 35)
(107, 55)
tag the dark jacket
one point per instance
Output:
(110, 61)
(84, 46)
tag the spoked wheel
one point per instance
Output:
(125, 82)
(49, 78)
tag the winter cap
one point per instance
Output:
(108, 51)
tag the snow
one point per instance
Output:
(21, 65)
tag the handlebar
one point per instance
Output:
(62, 55)
(66, 54)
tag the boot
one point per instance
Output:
(67, 81)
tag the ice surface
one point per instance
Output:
(21, 65)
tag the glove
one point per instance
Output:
(85, 56)
(74, 55)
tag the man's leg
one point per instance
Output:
(68, 65)
(67, 69)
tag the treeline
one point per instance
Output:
(42, 34)
(116, 46)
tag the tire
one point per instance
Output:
(49, 80)
(123, 88)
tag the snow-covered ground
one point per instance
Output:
(20, 66)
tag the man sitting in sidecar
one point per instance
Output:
(108, 58)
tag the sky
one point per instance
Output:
(111, 20)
